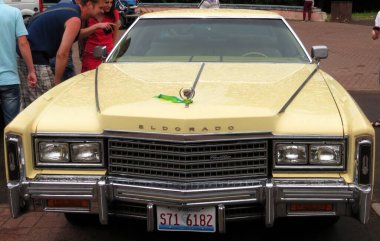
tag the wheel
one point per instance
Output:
(82, 219)
(253, 53)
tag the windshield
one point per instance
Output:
(209, 40)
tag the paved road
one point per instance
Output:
(353, 61)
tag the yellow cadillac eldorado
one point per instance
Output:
(196, 118)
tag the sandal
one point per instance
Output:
(375, 123)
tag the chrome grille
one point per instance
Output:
(188, 161)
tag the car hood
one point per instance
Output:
(229, 97)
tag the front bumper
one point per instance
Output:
(269, 197)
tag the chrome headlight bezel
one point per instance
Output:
(333, 147)
(14, 153)
(70, 145)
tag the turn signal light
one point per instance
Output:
(311, 207)
(68, 203)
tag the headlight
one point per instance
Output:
(325, 154)
(53, 152)
(85, 152)
(309, 155)
(65, 152)
(291, 154)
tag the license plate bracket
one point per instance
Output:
(193, 219)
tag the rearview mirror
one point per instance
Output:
(100, 52)
(319, 52)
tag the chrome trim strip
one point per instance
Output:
(102, 200)
(221, 218)
(96, 91)
(269, 205)
(364, 203)
(168, 136)
(67, 134)
(298, 90)
(36, 189)
(150, 217)
(188, 197)
(308, 214)
(212, 136)
(292, 194)
(14, 198)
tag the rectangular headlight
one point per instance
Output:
(68, 152)
(53, 152)
(85, 152)
(291, 154)
(309, 155)
(325, 154)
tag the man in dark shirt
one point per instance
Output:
(70, 68)
(52, 34)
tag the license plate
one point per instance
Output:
(195, 219)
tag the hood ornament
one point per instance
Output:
(185, 94)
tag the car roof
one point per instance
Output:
(212, 13)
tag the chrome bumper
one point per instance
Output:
(274, 195)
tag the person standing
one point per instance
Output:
(98, 36)
(307, 9)
(52, 34)
(13, 30)
(70, 68)
(376, 28)
(375, 35)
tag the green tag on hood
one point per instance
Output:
(174, 99)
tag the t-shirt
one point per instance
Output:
(12, 26)
(377, 20)
(46, 31)
(99, 37)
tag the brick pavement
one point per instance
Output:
(353, 56)
(353, 61)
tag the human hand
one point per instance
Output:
(106, 26)
(32, 79)
(56, 81)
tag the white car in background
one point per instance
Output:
(27, 7)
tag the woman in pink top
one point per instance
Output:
(100, 36)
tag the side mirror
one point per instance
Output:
(319, 52)
(100, 52)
